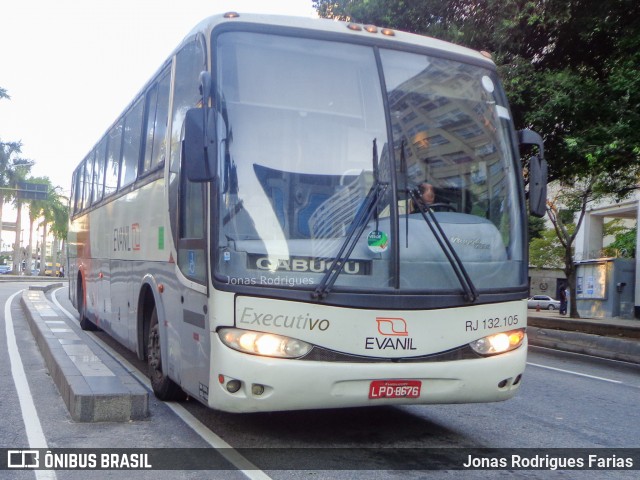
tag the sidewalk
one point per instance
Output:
(94, 386)
(612, 338)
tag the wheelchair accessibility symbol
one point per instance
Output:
(192, 262)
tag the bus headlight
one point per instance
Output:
(260, 343)
(498, 342)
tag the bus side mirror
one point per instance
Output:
(199, 145)
(538, 172)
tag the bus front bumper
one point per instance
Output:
(270, 384)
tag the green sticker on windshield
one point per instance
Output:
(377, 241)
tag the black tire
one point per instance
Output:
(551, 307)
(85, 323)
(163, 387)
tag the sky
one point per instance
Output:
(72, 66)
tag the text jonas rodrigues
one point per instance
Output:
(548, 462)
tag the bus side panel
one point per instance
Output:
(103, 294)
(171, 325)
(195, 344)
(121, 300)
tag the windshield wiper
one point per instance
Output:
(356, 228)
(470, 292)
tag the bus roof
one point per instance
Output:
(358, 32)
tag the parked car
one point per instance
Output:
(5, 269)
(545, 302)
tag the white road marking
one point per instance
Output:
(33, 427)
(574, 373)
(224, 449)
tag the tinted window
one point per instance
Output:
(131, 144)
(157, 117)
(192, 218)
(189, 64)
(75, 188)
(113, 159)
(98, 171)
(152, 101)
(88, 180)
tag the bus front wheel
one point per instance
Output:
(163, 387)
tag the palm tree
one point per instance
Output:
(17, 173)
(8, 153)
(60, 226)
(54, 212)
(36, 210)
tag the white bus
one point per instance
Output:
(252, 225)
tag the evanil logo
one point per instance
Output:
(395, 335)
(392, 326)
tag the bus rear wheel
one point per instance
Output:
(163, 387)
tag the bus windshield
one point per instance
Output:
(304, 147)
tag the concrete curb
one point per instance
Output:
(624, 349)
(93, 385)
(618, 328)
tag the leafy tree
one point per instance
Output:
(58, 216)
(624, 244)
(12, 170)
(536, 227)
(17, 174)
(8, 155)
(576, 197)
(546, 251)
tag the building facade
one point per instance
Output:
(607, 286)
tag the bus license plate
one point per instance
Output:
(395, 389)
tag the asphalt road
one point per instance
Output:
(566, 401)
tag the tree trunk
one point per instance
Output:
(43, 250)
(63, 256)
(54, 257)
(17, 252)
(29, 266)
(570, 272)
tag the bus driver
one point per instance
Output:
(426, 197)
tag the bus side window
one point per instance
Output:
(77, 189)
(113, 159)
(88, 180)
(157, 117)
(131, 144)
(150, 122)
(72, 195)
(98, 171)
(186, 93)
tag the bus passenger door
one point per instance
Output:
(192, 262)
(189, 360)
